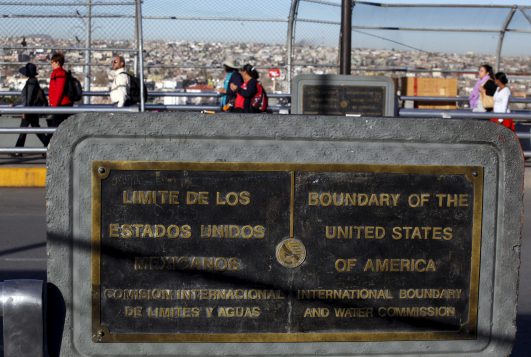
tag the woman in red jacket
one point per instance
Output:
(246, 91)
(56, 95)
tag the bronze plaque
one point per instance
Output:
(250, 252)
(343, 99)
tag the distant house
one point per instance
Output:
(201, 88)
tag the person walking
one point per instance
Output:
(246, 91)
(484, 87)
(501, 100)
(32, 96)
(56, 92)
(232, 77)
(120, 86)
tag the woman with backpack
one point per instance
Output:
(246, 91)
(228, 96)
(482, 97)
(32, 96)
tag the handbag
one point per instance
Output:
(487, 101)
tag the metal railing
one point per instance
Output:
(520, 116)
(132, 11)
(462, 114)
(153, 94)
(160, 94)
(107, 108)
(25, 150)
(404, 112)
(66, 110)
(524, 116)
(103, 108)
(454, 99)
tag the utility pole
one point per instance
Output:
(345, 50)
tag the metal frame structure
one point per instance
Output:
(88, 39)
(292, 19)
(502, 31)
(345, 48)
(88, 28)
(409, 113)
(139, 35)
(23, 317)
(502, 34)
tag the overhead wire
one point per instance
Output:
(390, 40)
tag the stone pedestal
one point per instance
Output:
(193, 235)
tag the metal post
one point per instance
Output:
(22, 305)
(291, 38)
(140, 54)
(88, 38)
(502, 35)
(525, 15)
(2, 299)
(135, 60)
(346, 37)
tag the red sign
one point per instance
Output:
(274, 73)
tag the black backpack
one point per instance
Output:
(72, 89)
(134, 89)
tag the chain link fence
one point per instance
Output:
(32, 31)
(186, 42)
(316, 37)
(446, 43)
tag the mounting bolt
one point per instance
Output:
(99, 335)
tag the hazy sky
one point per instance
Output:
(363, 15)
(439, 18)
(325, 33)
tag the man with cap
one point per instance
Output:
(32, 96)
(233, 76)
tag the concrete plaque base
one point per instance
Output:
(193, 235)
